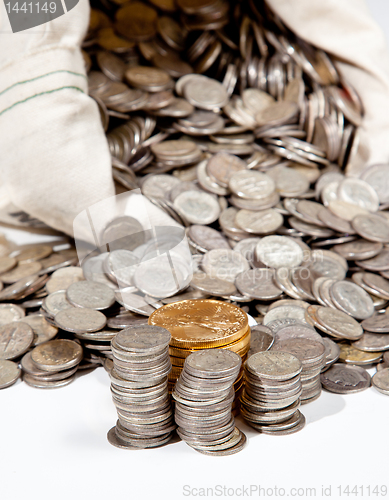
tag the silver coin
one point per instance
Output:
(261, 339)
(123, 233)
(285, 311)
(63, 278)
(332, 353)
(358, 249)
(251, 184)
(56, 302)
(141, 338)
(43, 384)
(213, 98)
(372, 342)
(134, 302)
(213, 286)
(338, 322)
(159, 278)
(207, 238)
(260, 222)
(377, 177)
(296, 331)
(258, 284)
(213, 362)
(345, 379)
(372, 227)
(381, 381)
(352, 299)
(197, 207)
(10, 312)
(279, 251)
(224, 264)
(9, 373)
(358, 192)
(274, 365)
(80, 320)
(90, 294)
(42, 330)
(15, 339)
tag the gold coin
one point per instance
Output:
(352, 355)
(201, 323)
(242, 344)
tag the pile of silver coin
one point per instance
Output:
(141, 364)
(271, 397)
(203, 399)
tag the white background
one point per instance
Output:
(54, 446)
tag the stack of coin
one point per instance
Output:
(271, 398)
(311, 354)
(204, 395)
(139, 388)
(202, 324)
(52, 364)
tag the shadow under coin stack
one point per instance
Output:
(52, 364)
(271, 398)
(312, 355)
(139, 388)
(204, 395)
(203, 324)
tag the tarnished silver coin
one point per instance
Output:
(9, 373)
(381, 381)
(90, 294)
(345, 379)
(15, 339)
(261, 339)
(80, 320)
(57, 355)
